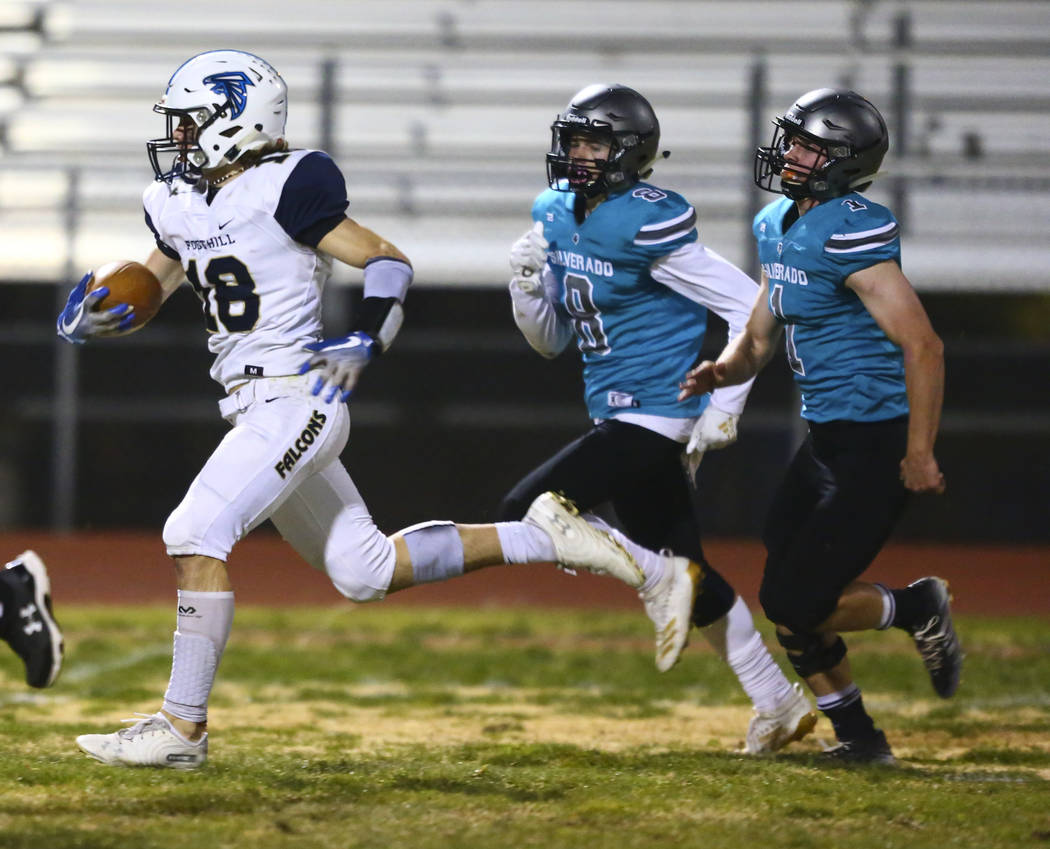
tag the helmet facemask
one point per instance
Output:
(587, 177)
(796, 180)
(182, 142)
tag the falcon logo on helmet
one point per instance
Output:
(232, 85)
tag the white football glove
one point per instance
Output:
(528, 255)
(714, 429)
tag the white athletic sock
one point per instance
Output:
(839, 699)
(889, 607)
(204, 622)
(524, 543)
(738, 643)
(653, 565)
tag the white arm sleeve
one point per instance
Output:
(700, 274)
(544, 326)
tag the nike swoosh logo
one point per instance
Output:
(74, 320)
(223, 225)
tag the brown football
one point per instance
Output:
(129, 283)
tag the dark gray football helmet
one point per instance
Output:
(845, 127)
(617, 115)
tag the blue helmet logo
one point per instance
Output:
(233, 85)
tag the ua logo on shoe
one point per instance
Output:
(32, 625)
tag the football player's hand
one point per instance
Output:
(341, 362)
(704, 378)
(714, 429)
(81, 319)
(920, 473)
(527, 258)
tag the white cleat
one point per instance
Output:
(151, 741)
(578, 545)
(770, 732)
(670, 606)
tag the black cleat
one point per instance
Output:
(868, 750)
(935, 637)
(27, 623)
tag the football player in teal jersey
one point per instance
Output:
(615, 263)
(871, 372)
(27, 622)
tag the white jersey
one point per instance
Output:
(249, 251)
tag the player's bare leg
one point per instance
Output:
(859, 609)
(922, 609)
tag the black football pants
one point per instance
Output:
(640, 474)
(833, 512)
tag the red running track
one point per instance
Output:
(131, 567)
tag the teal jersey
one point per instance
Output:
(845, 366)
(637, 337)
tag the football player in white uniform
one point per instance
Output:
(253, 226)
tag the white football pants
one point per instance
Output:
(281, 462)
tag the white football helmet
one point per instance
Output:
(222, 103)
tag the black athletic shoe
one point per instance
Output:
(27, 623)
(935, 637)
(869, 750)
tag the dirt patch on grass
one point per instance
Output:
(525, 721)
(482, 715)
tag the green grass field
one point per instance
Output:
(405, 727)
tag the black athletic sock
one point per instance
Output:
(714, 599)
(907, 608)
(847, 715)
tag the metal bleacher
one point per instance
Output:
(440, 111)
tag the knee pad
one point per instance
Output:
(363, 571)
(714, 599)
(436, 550)
(177, 531)
(186, 532)
(809, 654)
(204, 523)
